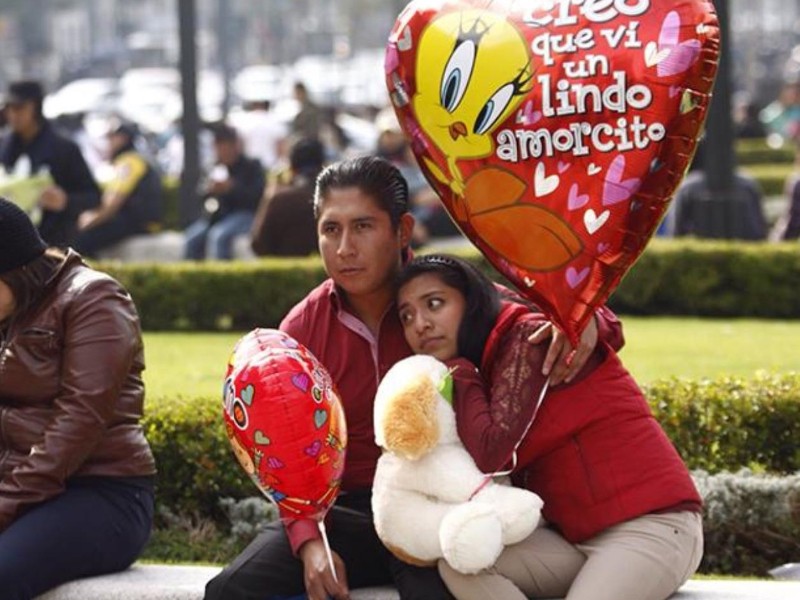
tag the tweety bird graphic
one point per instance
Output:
(473, 69)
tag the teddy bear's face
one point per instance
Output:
(411, 415)
(410, 427)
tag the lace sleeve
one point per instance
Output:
(492, 416)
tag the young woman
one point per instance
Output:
(623, 518)
(76, 473)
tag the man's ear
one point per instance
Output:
(406, 228)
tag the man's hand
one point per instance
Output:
(86, 219)
(217, 188)
(53, 198)
(563, 362)
(319, 581)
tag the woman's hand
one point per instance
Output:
(563, 362)
(319, 580)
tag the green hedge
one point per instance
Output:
(196, 467)
(671, 278)
(720, 425)
(216, 296)
(730, 423)
(751, 522)
(713, 279)
(771, 177)
(756, 151)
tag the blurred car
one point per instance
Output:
(82, 96)
(322, 76)
(149, 77)
(363, 82)
(151, 97)
(153, 108)
(211, 95)
(261, 82)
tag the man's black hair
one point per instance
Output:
(307, 156)
(222, 132)
(374, 176)
(27, 91)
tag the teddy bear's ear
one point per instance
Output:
(410, 423)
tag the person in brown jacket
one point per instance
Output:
(284, 224)
(76, 473)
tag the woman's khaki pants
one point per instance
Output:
(647, 558)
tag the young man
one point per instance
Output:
(233, 191)
(132, 201)
(350, 323)
(284, 224)
(74, 190)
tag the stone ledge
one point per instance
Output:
(163, 582)
(178, 582)
(164, 247)
(142, 582)
(732, 589)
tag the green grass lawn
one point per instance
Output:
(658, 347)
(192, 364)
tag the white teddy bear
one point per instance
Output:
(425, 479)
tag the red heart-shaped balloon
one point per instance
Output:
(285, 422)
(555, 132)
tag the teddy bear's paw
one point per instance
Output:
(471, 537)
(517, 509)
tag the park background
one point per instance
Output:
(711, 326)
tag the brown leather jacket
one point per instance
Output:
(71, 392)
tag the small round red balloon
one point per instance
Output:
(555, 132)
(285, 423)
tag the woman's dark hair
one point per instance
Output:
(28, 282)
(374, 176)
(481, 296)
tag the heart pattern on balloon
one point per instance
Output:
(285, 423)
(555, 132)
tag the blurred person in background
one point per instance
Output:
(308, 121)
(231, 196)
(335, 140)
(284, 224)
(34, 139)
(788, 225)
(77, 474)
(745, 118)
(132, 202)
(73, 125)
(432, 220)
(691, 209)
(261, 132)
(782, 116)
(169, 152)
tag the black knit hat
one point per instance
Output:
(20, 243)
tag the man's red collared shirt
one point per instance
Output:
(357, 360)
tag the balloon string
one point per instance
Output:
(490, 476)
(327, 545)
